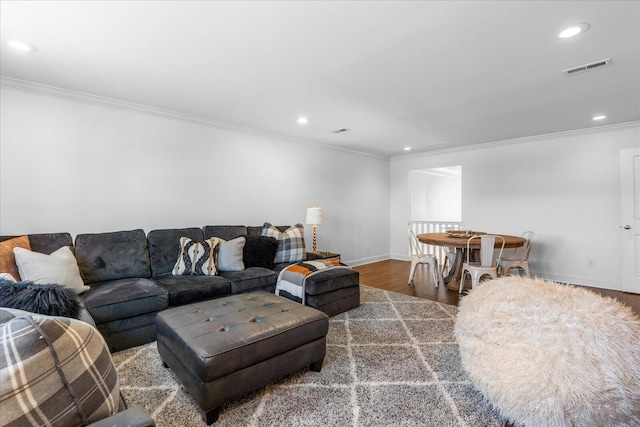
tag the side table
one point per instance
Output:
(322, 255)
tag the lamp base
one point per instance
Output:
(315, 227)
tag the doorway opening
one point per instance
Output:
(435, 195)
(435, 202)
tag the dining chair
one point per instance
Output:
(418, 257)
(520, 258)
(487, 265)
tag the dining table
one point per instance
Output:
(458, 241)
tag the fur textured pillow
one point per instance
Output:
(49, 299)
(546, 354)
(260, 251)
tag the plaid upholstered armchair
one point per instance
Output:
(58, 371)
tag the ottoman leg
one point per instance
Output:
(211, 416)
(316, 366)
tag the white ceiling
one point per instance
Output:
(430, 75)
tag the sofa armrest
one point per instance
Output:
(132, 417)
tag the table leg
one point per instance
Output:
(455, 272)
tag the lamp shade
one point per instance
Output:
(314, 216)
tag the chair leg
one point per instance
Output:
(475, 279)
(414, 263)
(435, 272)
(444, 265)
(462, 281)
(525, 267)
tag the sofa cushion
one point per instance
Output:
(46, 392)
(256, 230)
(331, 280)
(196, 258)
(291, 246)
(164, 247)
(121, 334)
(112, 256)
(7, 258)
(124, 298)
(260, 251)
(187, 289)
(250, 279)
(59, 267)
(226, 232)
(47, 243)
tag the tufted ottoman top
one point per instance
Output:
(217, 337)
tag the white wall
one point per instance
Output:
(82, 167)
(565, 187)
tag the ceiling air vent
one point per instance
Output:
(341, 130)
(588, 67)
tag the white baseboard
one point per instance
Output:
(574, 280)
(580, 281)
(362, 261)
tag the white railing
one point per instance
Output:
(420, 227)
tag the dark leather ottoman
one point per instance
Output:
(224, 348)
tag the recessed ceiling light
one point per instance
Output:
(574, 30)
(25, 47)
(303, 120)
(599, 118)
(407, 148)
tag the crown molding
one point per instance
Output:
(87, 98)
(514, 141)
(91, 99)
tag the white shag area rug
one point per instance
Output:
(393, 361)
(546, 354)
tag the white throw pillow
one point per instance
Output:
(60, 267)
(230, 256)
(8, 277)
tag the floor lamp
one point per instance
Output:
(314, 216)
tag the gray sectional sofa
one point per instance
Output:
(130, 277)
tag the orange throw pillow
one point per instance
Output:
(7, 259)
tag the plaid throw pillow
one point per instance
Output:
(290, 242)
(55, 371)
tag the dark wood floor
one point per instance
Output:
(392, 275)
